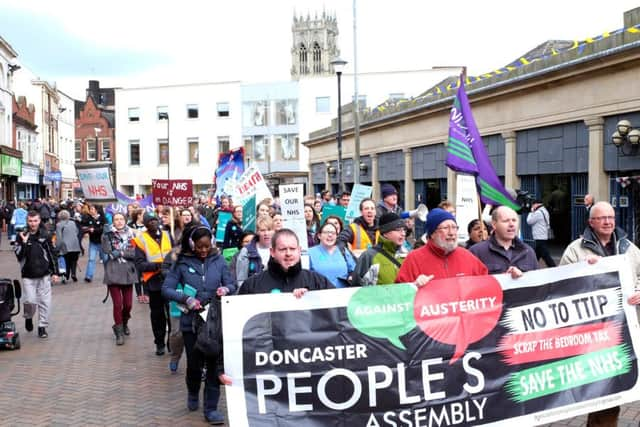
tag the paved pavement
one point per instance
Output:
(79, 377)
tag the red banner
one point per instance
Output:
(172, 192)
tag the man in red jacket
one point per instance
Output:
(441, 257)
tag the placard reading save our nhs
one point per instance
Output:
(552, 344)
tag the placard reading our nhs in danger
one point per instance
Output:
(465, 351)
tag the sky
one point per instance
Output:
(138, 43)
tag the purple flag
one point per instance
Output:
(467, 154)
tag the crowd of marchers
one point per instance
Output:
(171, 259)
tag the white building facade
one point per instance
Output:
(66, 138)
(174, 132)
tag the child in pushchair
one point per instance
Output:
(10, 294)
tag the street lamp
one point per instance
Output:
(165, 116)
(338, 66)
(626, 138)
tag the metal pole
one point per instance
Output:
(356, 109)
(340, 183)
(168, 150)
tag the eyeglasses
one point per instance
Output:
(448, 228)
(604, 218)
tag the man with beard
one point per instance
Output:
(363, 232)
(440, 257)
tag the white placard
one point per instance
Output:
(466, 204)
(358, 193)
(249, 183)
(96, 183)
(292, 206)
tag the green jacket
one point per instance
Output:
(375, 268)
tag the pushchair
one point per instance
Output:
(10, 294)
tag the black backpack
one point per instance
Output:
(209, 332)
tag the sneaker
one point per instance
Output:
(193, 400)
(74, 278)
(159, 350)
(42, 332)
(28, 324)
(214, 417)
(88, 280)
(173, 367)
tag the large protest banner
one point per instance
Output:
(230, 166)
(96, 183)
(172, 192)
(250, 183)
(464, 351)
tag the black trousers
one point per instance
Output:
(196, 360)
(159, 315)
(543, 252)
(71, 260)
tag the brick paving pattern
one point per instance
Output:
(79, 377)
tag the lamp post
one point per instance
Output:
(338, 66)
(626, 138)
(165, 116)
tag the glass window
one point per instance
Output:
(193, 151)
(287, 146)
(105, 144)
(134, 153)
(192, 111)
(163, 151)
(78, 150)
(223, 144)
(261, 114)
(134, 114)
(162, 112)
(322, 104)
(260, 147)
(286, 112)
(223, 109)
(91, 149)
(248, 146)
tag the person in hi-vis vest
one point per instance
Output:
(363, 232)
(151, 248)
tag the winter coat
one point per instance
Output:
(588, 244)
(495, 257)
(232, 235)
(432, 260)
(382, 209)
(120, 253)
(37, 256)
(275, 279)
(19, 218)
(248, 262)
(204, 275)
(67, 233)
(540, 222)
(97, 223)
(370, 234)
(387, 269)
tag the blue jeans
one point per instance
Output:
(95, 251)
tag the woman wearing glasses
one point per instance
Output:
(333, 262)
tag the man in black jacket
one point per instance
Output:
(39, 262)
(284, 271)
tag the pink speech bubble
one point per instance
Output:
(458, 310)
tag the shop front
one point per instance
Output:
(28, 182)
(11, 169)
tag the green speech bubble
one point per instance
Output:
(383, 311)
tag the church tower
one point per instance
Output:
(314, 45)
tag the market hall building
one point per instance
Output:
(548, 121)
